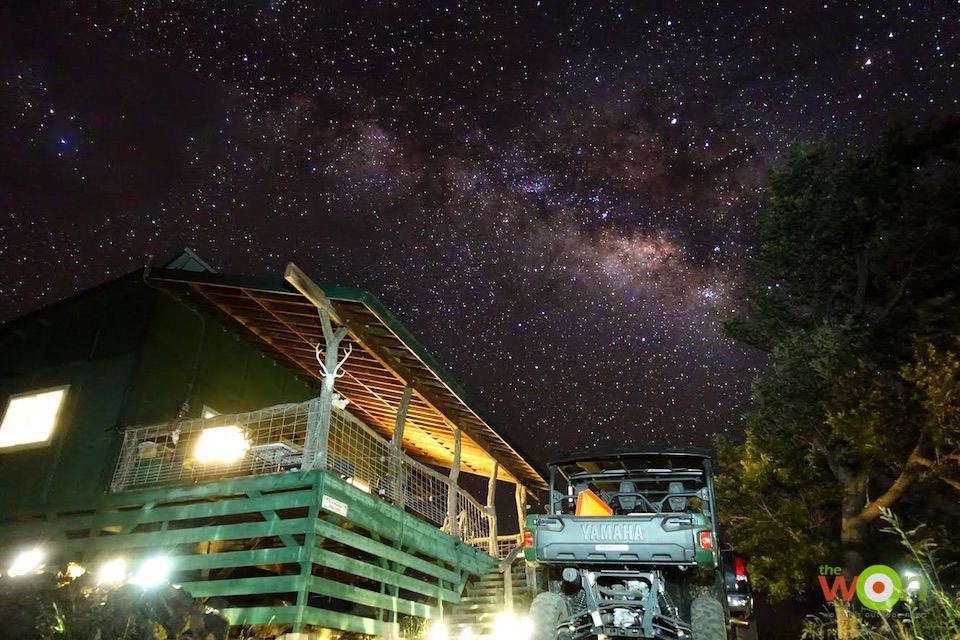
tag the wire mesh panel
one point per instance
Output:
(425, 492)
(272, 440)
(359, 454)
(474, 522)
(263, 441)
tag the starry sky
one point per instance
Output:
(559, 198)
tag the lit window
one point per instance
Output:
(31, 417)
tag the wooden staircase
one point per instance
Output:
(484, 600)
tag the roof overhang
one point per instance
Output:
(283, 320)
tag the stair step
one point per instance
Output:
(483, 601)
(475, 626)
(479, 607)
(465, 621)
(475, 610)
(466, 617)
(476, 604)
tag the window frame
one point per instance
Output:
(57, 418)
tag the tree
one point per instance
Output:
(856, 301)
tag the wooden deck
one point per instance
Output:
(300, 550)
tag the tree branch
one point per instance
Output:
(936, 469)
(901, 289)
(839, 471)
(893, 493)
(862, 277)
(950, 481)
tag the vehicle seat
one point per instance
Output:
(628, 502)
(677, 502)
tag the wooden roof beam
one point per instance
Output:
(296, 277)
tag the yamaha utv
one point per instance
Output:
(628, 549)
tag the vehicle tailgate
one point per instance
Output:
(654, 538)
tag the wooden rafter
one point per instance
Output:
(286, 324)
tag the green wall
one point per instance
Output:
(233, 375)
(70, 468)
(128, 353)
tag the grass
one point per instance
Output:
(933, 617)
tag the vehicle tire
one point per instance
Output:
(707, 619)
(546, 611)
(748, 632)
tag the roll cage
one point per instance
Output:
(635, 483)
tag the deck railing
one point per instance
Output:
(271, 440)
(506, 544)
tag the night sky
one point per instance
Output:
(559, 198)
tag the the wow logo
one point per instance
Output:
(878, 587)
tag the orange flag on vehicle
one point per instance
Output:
(590, 504)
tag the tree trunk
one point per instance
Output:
(852, 527)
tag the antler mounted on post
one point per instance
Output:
(318, 424)
(337, 371)
(315, 447)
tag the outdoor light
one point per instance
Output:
(74, 571)
(221, 444)
(438, 631)
(113, 572)
(912, 580)
(913, 584)
(363, 486)
(153, 572)
(26, 562)
(509, 626)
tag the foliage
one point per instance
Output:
(54, 607)
(856, 302)
(936, 616)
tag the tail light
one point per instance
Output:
(527, 538)
(739, 568)
(706, 540)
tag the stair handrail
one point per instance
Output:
(510, 558)
(505, 567)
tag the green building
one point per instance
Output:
(182, 414)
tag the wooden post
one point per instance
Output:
(398, 477)
(492, 509)
(306, 558)
(318, 430)
(401, 417)
(520, 496)
(508, 588)
(453, 485)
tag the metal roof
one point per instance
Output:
(386, 357)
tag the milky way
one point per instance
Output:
(559, 198)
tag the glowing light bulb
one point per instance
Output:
(113, 572)
(221, 444)
(26, 562)
(152, 573)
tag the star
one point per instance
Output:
(513, 182)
